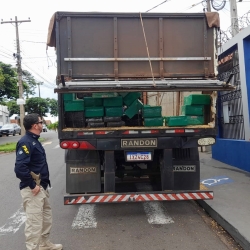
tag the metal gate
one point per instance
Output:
(230, 109)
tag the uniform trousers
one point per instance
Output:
(38, 217)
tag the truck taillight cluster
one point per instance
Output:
(76, 145)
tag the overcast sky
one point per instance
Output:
(33, 34)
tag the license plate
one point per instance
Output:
(139, 156)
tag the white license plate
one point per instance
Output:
(139, 156)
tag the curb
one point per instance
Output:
(244, 243)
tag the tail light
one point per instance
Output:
(76, 144)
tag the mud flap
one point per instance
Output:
(83, 171)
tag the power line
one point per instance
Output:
(158, 5)
(32, 41)
(19, 69)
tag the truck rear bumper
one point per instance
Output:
(138, 197)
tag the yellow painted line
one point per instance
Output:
(202, 187)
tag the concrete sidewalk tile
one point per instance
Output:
(231, 204)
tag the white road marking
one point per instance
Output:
(57, 146)
(155, 211)
(46, 143)
(85, 217)
(14, 222)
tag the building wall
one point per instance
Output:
(232, 152)
(4, 115)
(235, 152)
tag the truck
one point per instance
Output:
(136, 100)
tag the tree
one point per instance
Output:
(8, 82)
(29, 83)
(37, 105)
(53, 106)
(53, 126)
(12, 107)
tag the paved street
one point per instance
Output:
(157, 225)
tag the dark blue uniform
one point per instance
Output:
(30, 156)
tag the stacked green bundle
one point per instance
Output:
(93, 107)
(132, 103)
(197, 99)
(193, 108)
(104, 95)
(113, 106)
(72, 104)
(192, 111)
(152, 116)
(175, 121)
(133, 109)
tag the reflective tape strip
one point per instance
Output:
(154, 197)
(130, 132)
(188, 196)
(85, 133)
(170, 131)
(180, 197)
(139, 197)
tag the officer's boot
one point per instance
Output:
(50, 246)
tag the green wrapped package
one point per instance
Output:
(131, 97)
(123, 93)
(68, 97)
(192, 110)
(173, 121)
(94, 112)
(149, 112)
(133, 109)
(113, 101)
(74, 105)
(104, 95)
(113, 111)
(154, 122)
(197, 99)
(93, 102)
(195, 120)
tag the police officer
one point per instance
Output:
(32, 169)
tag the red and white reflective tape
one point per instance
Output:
(85, 133)
(104, 132)
(130, 132)
(115, 198)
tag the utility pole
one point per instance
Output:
(234, 17)
(39, 84)
(19, 70)
(208, 5)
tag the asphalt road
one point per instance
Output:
(163, 225)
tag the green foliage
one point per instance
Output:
(8, 147)
(29, 83)
(11, 146)
(13, 107)
(8, 82)
(37, 105)
(53, 126)
(52, 106)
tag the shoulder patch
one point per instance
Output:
(25, 149)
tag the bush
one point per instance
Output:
(53, 126)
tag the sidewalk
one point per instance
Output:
(231, 204)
